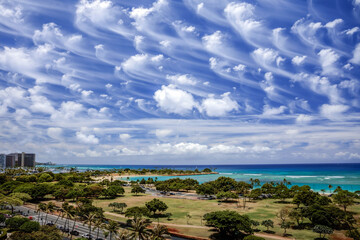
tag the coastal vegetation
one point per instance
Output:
(220, 209)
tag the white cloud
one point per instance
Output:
(213, 42)
(98, 11)
(333, 112)
(298, 60)
(213, 63)
(356, 55)
(265, 56)
(328, 58)
(124, 137)
(352, 31)
(86, 93)
(20, 114)
(188, 29)
(242, 17)
(173, 100)
(41, 104)
(269, 111)
(55, 132)
(185, 79)
(93, 153)
(180, 148)
(87, 139)
(303, 118)
(165, 43)
(157, 58)
(218, 107)
(162, 133)
(138, 62)
(320, 85)
(101, 113)
(12, 97)
(68, 110)
(240, 67)
(334, 23)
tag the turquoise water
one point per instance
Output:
(317, 176)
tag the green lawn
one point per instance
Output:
(259, 211)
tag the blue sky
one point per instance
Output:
(181, 82)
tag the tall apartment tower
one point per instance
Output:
(2, 160)
(23, 159)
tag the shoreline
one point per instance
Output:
(122, 176)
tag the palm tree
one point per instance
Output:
(61, 212)
(330, 187)
(123, 235)
(139, 229)
(98, 224)
(89, 219)
(50, 207)
(112, 227)
(41, 207)
(69, 212)
(159, 232)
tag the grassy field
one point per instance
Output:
(180, 208)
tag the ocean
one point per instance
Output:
(317, 176)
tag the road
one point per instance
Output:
(80, 227)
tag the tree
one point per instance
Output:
(268, 224)
(159, 232)
(89, 218)
(252, 237)
(283, 214)
(156, 205)
(50, 208)
(12, 201)
(282, 192)
(137, 189)
(45, 177)
(344, 198)
(112, 227)
(137, 212)
(228, 223)
(255, 194)
(225, 184)
(254, 224)
(2, 218)
(330, 187)
(285, 225)
(321, 229)
(305, 197)
(297, 214)
(99, 224)
(14, 223)
(22, 196)
(205, 189)
(188, 217)
(30, 226)
(225, 196)
(139, 229)
(116, 205)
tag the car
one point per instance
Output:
(88, 236)
(75, 233)
(99, 239)
(50, 224)
(65, 230)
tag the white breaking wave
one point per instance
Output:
(301, 176)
